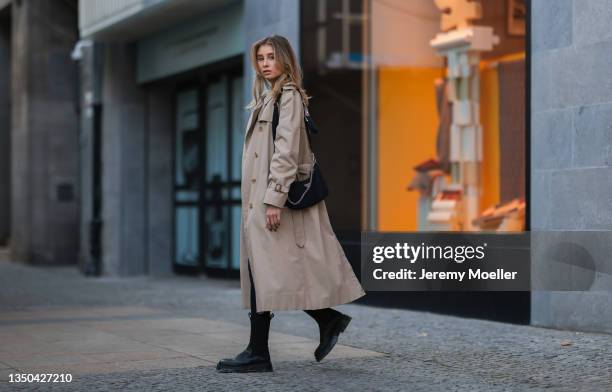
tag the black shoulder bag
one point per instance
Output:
(305, 193)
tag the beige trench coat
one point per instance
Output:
(301, 265)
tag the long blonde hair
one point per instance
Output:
(291, 72)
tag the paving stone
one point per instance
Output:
(184, 336)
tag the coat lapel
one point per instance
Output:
(255, 114)
(252, 117)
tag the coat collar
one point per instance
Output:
(267, 113)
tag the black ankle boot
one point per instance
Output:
(330, 326)
(256, 357)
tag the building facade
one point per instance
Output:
(164, 87)
(121, 129)
(571, 176)
(39, 132)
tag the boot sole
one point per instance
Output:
(342, 324)
(246, 369)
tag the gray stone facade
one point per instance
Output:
(44, 132)
(571, 139)
(5, 124)
(136, 165)
(123, 164)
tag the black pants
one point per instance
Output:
(253, 301)
(321, 316)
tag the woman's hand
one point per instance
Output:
(273, 214)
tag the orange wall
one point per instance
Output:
(407, 124)
(489, 119)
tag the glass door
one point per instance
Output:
(186, 176)
(221, 176)
(208, 160)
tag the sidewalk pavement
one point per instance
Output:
(147, 334)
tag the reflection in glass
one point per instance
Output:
(187, 163)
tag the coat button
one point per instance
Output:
(253, 180)
(256, 155)
(250, 205)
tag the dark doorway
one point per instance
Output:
(208, 139)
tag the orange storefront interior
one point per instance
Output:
(407, 116)
(407, 136)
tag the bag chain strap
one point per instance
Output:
(308, 185)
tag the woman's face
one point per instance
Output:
(266, 63)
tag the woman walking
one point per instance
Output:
(290, 259)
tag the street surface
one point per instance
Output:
(166, 334)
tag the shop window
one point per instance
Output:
(449, 105)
